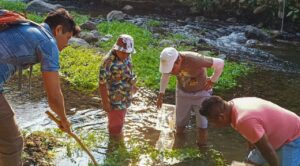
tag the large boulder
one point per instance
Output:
(90, 37)
(252, 32)
(78, 42)
(89, 26)
(40, 6)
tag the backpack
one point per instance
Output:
(7, 20)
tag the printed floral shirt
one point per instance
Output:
(119, 79)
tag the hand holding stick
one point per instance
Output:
(57, 121)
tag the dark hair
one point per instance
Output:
(62, 17)
(209, 104)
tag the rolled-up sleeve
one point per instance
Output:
(49, 55)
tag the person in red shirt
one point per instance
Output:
(264, 124)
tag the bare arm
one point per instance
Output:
(267, 151)
(55, 97)
(160, 101)
(164, 80)
(218, 65)
(104, 95)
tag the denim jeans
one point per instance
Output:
(289, 154)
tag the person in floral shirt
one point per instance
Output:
(117, 83)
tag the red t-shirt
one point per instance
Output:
(253, 117)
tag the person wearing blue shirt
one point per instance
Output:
(26, 44)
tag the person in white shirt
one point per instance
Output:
(193, 85)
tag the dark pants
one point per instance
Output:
(11, 141)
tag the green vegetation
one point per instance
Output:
(232, 71)
(36, 18)
(18, 6)
(153, 23)
(79, 18)
(80, 66)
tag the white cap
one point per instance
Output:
(125, 44)
(168, 57)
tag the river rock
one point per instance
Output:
(188, 20)
(186, 42)
(89, 36)
(222, 56)
(275, 33)
(260, 9)
(106, 38)
(251, 42)
(115, 15)
(232, 19)
(40, 6)
(78, 42)
(255, 33)
(156, 35)
(89, 26)
(199, 18)
(166, 43)
(201, 40)
(127, 8)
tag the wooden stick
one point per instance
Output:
(57, 121)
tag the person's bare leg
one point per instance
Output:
(179, 139)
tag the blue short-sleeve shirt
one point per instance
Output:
(24, 42)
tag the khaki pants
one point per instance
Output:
(11, 141)
(185, 103)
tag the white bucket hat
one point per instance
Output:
(168, 57)
(125, 44)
